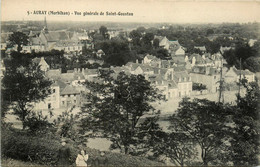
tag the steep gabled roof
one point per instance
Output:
(164, 41)
(35, 41)
(55, 36)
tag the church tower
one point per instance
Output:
(45, 29)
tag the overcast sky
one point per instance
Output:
(174, 11)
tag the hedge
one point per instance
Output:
(43, 151)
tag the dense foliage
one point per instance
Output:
(198, 86)
(245, 143)
(115, 106)
(204, 123)
(19, 39)
(23, 84)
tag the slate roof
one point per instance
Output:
(79, 76)
(199, 59)
(61, 84)
(67, 77)
(132, 65)
(145, 68)
(69, 90)
(90, 71)
(35, 41)
(55, 36)
(203, 70)
(65, 43)
(172, 85)
(53, 73)
(158, 79)
(180, 76)
(179, 68)
(164, 41)
(243, 72)
(178, 59)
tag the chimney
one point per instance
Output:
(142, 61)
(136, 61)
(75, 70)
(83, 71)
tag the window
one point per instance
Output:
(49, 105)
(63, 102)
(68, 95)
(75, 101)
(215, 77)
(53, 91)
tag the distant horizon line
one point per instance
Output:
(155, 22)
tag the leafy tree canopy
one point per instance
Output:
(115, 106)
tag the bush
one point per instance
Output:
(198, 86)
(37, 123)
(44, 151)
(40, 150)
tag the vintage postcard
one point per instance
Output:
(130, 82)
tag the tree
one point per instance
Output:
(23, 84)
(179, 148)
(117, 52)
(156, 43)
(147, 39)
(103, 32)
(210, 31)
(136, 37)
(198, 86)
(245, 141)
(19, 39)
(204, 122)
(115, 105)
(150, 139)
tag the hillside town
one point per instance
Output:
(177, 67)
(174, 77)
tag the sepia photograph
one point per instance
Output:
(130, 83)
